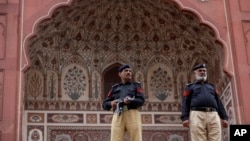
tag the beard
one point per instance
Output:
(201, 78)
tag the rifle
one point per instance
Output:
(120, 105)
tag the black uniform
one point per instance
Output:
(120, 91)
(127, 117)
(198, 95)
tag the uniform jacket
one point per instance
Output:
(120, 91)
(199, 94)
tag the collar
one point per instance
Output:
(126, 83)
(200, 82)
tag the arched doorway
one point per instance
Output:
(110, 77)
(82, 44)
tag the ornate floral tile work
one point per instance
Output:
(74, 48)
(77, 47)
(67, 133)
(146, 119)
(35, 133)
(167, 119)
(91, 118)
(58, 133)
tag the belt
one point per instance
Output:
(126, 108)
(203, 109)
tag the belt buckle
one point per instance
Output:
(125, 108)
(208, 109)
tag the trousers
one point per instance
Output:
(205, 126)
(129, 121)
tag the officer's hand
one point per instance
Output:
(127, 100)
(185, 123)
(113, 104)
(224, 123)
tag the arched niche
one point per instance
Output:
(101, 33)
(110, 77)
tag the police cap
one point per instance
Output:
(199, 66)
(121, 68)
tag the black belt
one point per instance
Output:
(203, 109)
(126, 108)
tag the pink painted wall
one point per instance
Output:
(9, 69)
(239, 23)
(34, 11)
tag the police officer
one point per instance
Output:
(202, 110)
(125, 98)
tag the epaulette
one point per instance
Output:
(211, 84)
(189, 84)
(137, 83)
(115, 85)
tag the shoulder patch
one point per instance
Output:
(139, 90)
(186, 93)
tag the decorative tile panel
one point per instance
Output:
(146, 118)
(70, 133)
(106, 118)
(65, 118)
(35, 118)
(167, 119)
(35, 133)
(75, 133)
(91, 118)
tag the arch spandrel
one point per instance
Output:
(102, 34)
